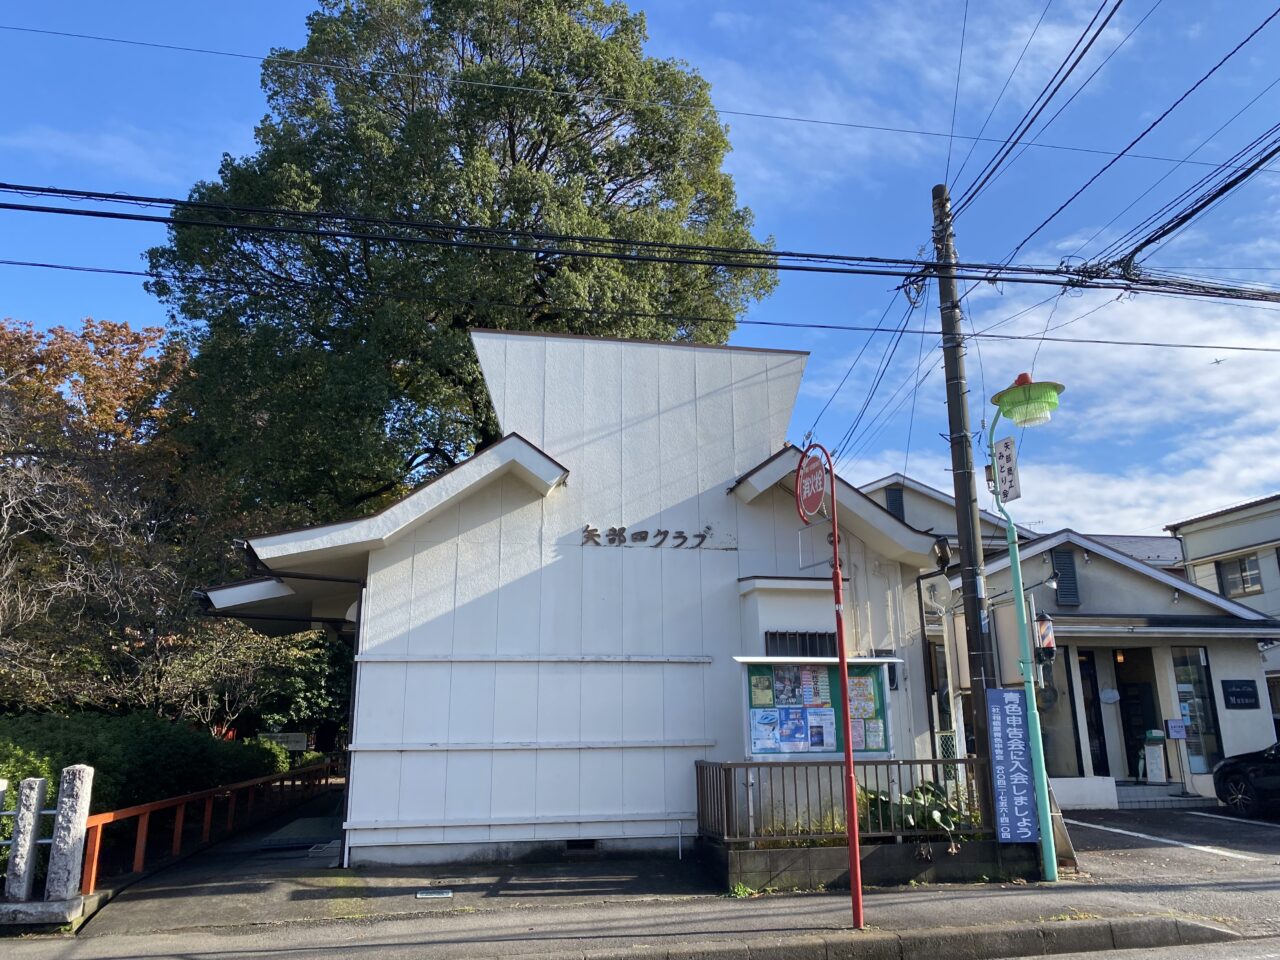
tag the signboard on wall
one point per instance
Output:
(792, 709)
(1014, 795)
(1240, 695)
(293, 742)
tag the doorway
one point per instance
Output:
(1136, 683)
(1093, 713)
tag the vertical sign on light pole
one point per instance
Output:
(1006, 460)
(811, 495)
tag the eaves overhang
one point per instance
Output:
(513, 455)
(868, 520)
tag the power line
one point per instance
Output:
(1210, 197)
(1000, 96)
(1038, 106)
(571, 94)
(436, 226)
(911, 421)
(1136, 140)
(886, 358)
(849, 372)
(909, 271)
(955, 100)
(1168, 173)
(1080, 89)
(676, 317)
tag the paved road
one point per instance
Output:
(1210, 866)
(1202, 867)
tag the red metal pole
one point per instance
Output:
(850, 781)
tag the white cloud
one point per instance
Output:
(885, 64)
(139, 155)
(1145, 435)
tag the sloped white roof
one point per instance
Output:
(513, 455)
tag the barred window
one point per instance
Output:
(787, 643)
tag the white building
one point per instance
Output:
(547, 633)
(1236, 551)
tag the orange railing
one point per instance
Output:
(261, 797)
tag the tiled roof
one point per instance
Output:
(1157, 551)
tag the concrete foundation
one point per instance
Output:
(517, 851)
(883, 864)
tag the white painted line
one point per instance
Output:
(1237, 820)
(1176, 843)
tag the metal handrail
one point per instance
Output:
(300, 783)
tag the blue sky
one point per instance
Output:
(1145, 436)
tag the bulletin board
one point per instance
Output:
(792, 708)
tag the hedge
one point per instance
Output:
(136, 758)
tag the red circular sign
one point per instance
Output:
(811, 486)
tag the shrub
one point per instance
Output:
(136, 758)
(279, 756)
(309, 758)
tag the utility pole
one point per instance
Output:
(982, 673)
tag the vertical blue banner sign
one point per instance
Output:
(1014, 790)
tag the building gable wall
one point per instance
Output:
(519, 680)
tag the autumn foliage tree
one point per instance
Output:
(103, 536)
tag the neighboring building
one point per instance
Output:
(1236, 551)
(1137, 647)
(933, 511)
(551, 633)
(1162, 552)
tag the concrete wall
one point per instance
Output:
(1106, 588)
(516, 685)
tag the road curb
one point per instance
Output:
(952, 943)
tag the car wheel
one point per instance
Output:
(1239, 796)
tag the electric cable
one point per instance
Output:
(1063, 106)
(1039, 105)
(1000, 96)
(689, 318)
(955, 100)
(1136, 140)
(516, 88)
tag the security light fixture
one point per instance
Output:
(1028, 403)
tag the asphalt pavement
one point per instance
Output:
(239, 900)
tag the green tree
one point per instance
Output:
(329, 373)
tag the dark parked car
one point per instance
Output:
(1249, 782)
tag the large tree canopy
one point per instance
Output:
(329, 372)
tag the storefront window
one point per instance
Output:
(1195, 699)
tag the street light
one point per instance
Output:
(1028, 404)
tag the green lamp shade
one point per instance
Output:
(1026, 403)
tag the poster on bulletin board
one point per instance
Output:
(792, 708)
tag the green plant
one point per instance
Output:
(309, 757)
(136, 758)
(740, 891)
(279, 755)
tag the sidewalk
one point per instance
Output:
(240, 899)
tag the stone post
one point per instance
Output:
(21, 874)
(67, 851)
